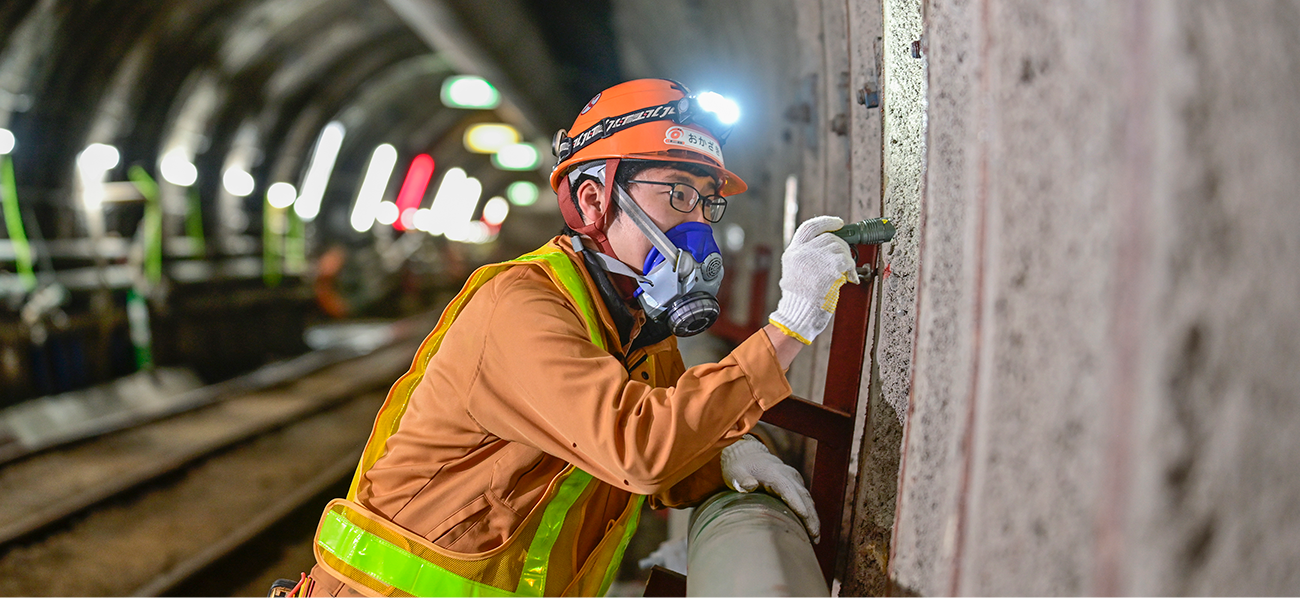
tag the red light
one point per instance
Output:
(414, 186)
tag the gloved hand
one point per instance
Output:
(813, 268)
(747, 464)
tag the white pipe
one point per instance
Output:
(750, 545)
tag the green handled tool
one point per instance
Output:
(867, 232)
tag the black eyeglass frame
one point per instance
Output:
(707, 200)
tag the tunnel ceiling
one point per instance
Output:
(147, 75)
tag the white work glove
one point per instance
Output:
(813, 268)
(747, 464)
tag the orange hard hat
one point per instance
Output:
(645, 119)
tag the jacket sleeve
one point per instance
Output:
(694, 488)
(542, 382)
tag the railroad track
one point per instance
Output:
(214, 501)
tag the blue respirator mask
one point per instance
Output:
(683, 288)
(682, 273)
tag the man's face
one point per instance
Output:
(628, 241)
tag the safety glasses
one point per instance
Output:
(683, 198)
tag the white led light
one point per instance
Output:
(373, 186)
(468, 91)
(281, 195)
(6, 141)
(238, 182)
(424, 219)
(98, 158)
(177, 169)
(518, 156)
(496, 210)
(386, 213)
(471, 191)
(728, 112)
(470, 232)
(318, 174)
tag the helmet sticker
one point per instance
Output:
(692, 139)
(590, 104)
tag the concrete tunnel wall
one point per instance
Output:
(1096, 262)
(1105, 378)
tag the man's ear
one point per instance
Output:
(589, 201)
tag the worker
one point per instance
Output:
(551, 401)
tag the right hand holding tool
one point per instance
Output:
(813, 268)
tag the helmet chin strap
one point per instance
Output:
(573, 217)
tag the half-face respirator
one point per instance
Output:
(683, 290)
(682, 273)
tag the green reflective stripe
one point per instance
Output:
(394, 566)
(539, 552)
(632, 522)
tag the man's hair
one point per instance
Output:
(630, 169)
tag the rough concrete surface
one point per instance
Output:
(1105, 362)
(903, 101)
(926, 523)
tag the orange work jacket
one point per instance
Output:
(518, 394)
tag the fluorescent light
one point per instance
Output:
(386, 213)
(442, 198)
(455, 201)
(518, 156)
(238, 182)
(522, 193)
(470, 232)
(489, 138)
(373, 186)
(465, 202)
(177, 169)
(318, 174)
(414, 186)
(281, 195)
(93, 164)
(496, 210)
(98, 157)
(6, 141)
(424, 219)
(728, 112)
(467, 91)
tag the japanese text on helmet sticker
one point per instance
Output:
(693, 139)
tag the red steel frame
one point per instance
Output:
(830, 423)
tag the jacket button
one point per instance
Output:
(645, 375)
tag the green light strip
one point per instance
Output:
(14, 222)
(152, 223)
(194, 221)
(271, 245)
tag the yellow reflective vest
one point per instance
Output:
(380, 558)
